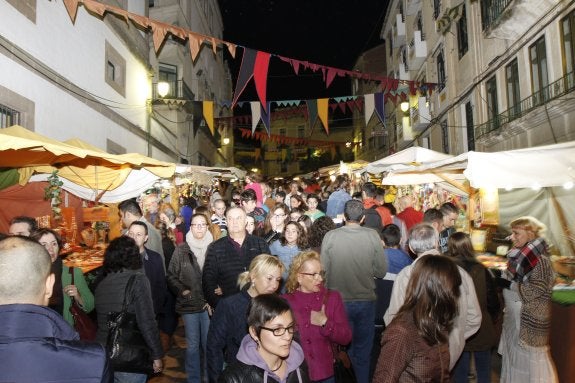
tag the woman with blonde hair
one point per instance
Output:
(528, 283)
(167, 215)
(319, 314)
(229, 322)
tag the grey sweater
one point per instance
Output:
(351, 257)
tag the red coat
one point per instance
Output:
(411, 217)
(316, 340)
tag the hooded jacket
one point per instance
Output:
(38, 345)
(250, 367)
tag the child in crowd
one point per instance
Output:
(219, 216)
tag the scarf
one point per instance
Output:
(522, 260)
(199, 246)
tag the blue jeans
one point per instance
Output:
(482, 367)
(361, 316)
(328, 380)
(196, 328)
(129, 377)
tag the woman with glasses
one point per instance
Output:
(292, 241)
(268, 353)
(275, 222)
(319, 314)
(229, 323)
(185, 281)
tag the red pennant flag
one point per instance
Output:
(261, 77)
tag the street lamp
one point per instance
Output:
(226, 141)
(404, 106)
(163, 88)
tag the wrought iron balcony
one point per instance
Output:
(177, 90)
(551, 92)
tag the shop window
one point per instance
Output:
(462, 37)
(169, 73)
(436, 8)
(8, 116)
(115, 72)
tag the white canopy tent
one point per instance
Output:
(406, 159)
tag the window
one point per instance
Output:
(390, 40)
(8, 116)
(539, 79)
(512, 80)
(492, 108)
(469, 123)
(444, 136)
(151, 3)
(419, 25)
(567, 30)
(462, 37)
(300, 131)
(440, 71)
(436, 8)
(115, 69)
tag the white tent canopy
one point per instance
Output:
(406, 159)
(544, 166)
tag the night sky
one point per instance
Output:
(326, 32)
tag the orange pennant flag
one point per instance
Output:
(158, 36)
(95, 7)
(258, 153)
(208, 107)
(140, 21)
(72, 8)
(214, 46)
(322, 106)
(195, 45)
(232, 49)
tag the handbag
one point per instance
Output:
(127, 348)
(83, 324)
(342, 368)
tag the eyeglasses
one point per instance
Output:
(321, 274)
(200, 225)
(281, 330)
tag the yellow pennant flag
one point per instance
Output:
(209, 114)
(322, 107)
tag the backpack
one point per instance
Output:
(372, 219)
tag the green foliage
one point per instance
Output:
(53, 193)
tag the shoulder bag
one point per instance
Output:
(342, 368)
(83, 324)
(127, 348)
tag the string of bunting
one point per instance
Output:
(279, 139)
(255, 65)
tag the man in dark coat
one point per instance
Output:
(37, 344)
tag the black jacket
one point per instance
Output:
(224, 263)
(184, 274)
(239, 372)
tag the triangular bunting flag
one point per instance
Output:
(261, 76)
(72, 8)
(322, 105)
(256, 114)
(95, 7)
(369, 106)
(246, 73)
(312, 112)
(231, 49)
(159, 34)
(266, 117)
(379, 103)
(208, 107)
(195, 45)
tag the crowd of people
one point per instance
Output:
(269, 282)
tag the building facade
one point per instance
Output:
(503, 69)
(92, 78)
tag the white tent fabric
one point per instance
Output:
(137, 182)
(406, 159)
(544, 166)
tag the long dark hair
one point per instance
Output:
(431, 297)
(460, 247)
(318, 229)
(121, 253)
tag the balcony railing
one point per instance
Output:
(551, 92)
(492, 10)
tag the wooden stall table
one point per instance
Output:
(86, 259)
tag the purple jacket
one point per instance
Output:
(316, 340)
